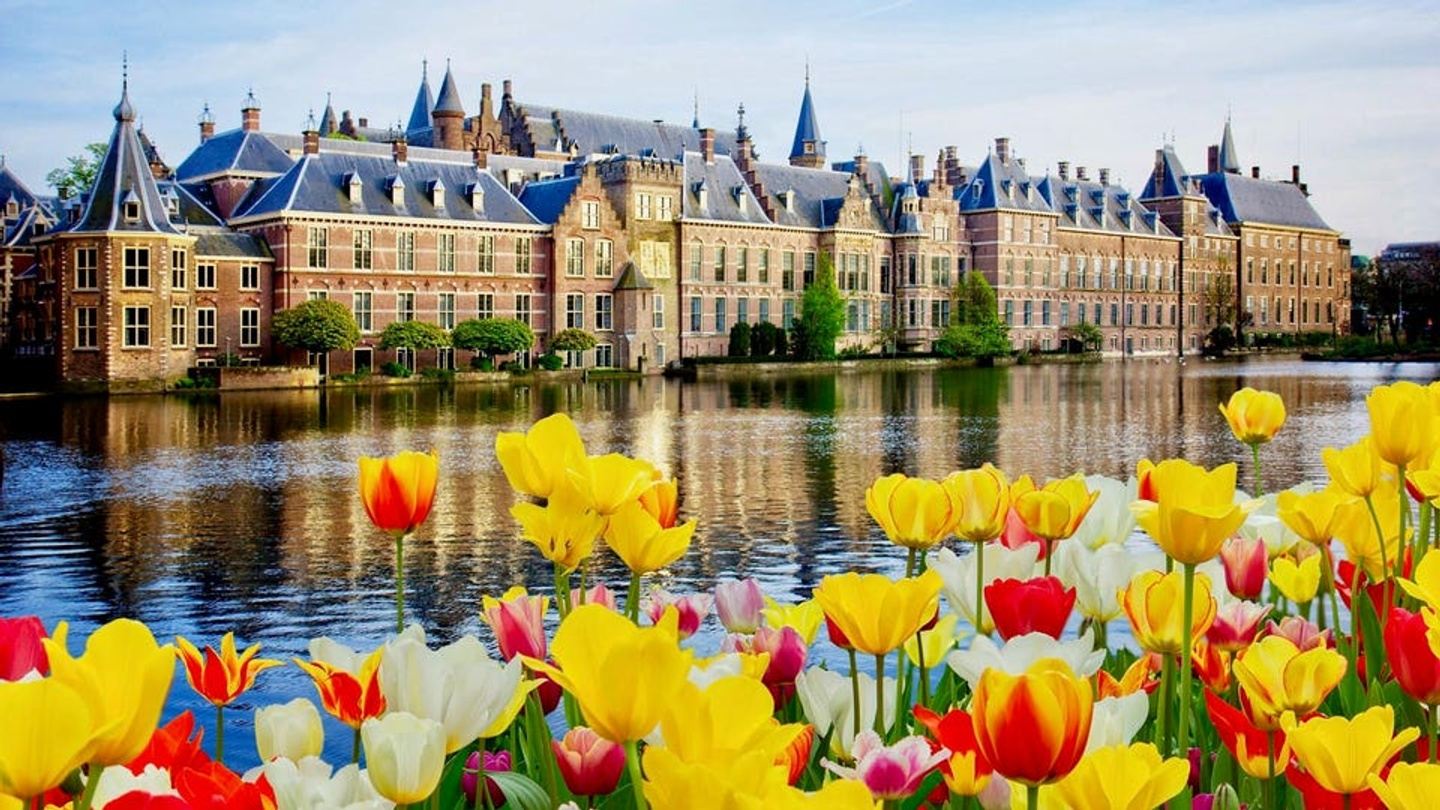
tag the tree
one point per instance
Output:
(413, 335)
(78, 174)
(319, 326)
(822, 315)
(572, 340)
(888, 334)
(973, 300)
(976, 329)
(740, 340)
(782, 342)
(1088, 335)
(493, 336)
(762, 339)
(1218, 297)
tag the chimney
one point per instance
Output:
(364, 122)
(487, 107)
(1295, 174)
(481, 157)
(1081, 173)
(400, 150)
(207, 124)
(1212, 159)
(862, 166)
(917, 168)
(250, 114)
(1255, 172)
(1064, 167)
(505, 91)
(1002, 150)
(312, 141)
(1104, 177)
(707, 144)
(347, 124)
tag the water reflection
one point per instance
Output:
(238, 512)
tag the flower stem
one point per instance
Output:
(979, 589)
(1162, 706)
(879, 695)
(399, 584)
(637, 780)
(1255, 453)
(1354, 617)
(1434, 725)
(855, 689)
(1384, 563)
(482, 784)
(355, 748)
(1032, 797)
(1404, 520)
(220, 734)
(1270, 783)
(1187, 632)
(562, 591)
(901, 676)
(632, 600)
(580, 597)
(92, 782)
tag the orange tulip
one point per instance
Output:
(398, 491)
(350, 697)
(1136, 678)
(1032, 728)
(222, 676)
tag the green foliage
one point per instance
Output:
(551, 361)
(493, 336)
(762, 339)
(512, 367)
(822, 315)
(973, 301)
(1088, 335)
(1220, 340)
(782, 342)
(413, 335)
(852, 352)
(974, 340)
(78, 173)
(231, 360)
(572, 340)
(438, 374)
(356, 376)
(482, 362)
(394, 369)
(740, 340)
(193, 383)
(316, 326)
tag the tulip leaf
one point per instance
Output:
(521, 792)
(1374, 639)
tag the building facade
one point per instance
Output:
(656, 238)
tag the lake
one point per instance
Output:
(239, 512)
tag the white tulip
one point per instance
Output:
(309, 785)
(1021, 651)
(117, 780)
(725, 665)
(292, 730)
(405, 755)
(958, 574)
(1109, 521)
(828, 701)
(1116, 720)
(458, 686)
(1097, 576)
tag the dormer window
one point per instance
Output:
(172, 207)
(702, 193)
(353, 187)
(788, 198)
(12, 208)
(477, 197)
(437, 193)
(979, 186)
(397, 191)
(131, 211)
(741, 199)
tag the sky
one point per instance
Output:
(1347, 90)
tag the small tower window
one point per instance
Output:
(12, 209)
(132, 211)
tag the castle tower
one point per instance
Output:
(424, 103)
(807, 150)
(448, 117)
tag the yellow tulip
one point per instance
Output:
(1311, 515)
(1402, 421)
(642, 543)
(1032, 727)
(1155, 605)
(937, 641)
(1254, 416)
(124, 677)
(564, 535)
(1408, 787)
(1279, 679)
(48, 732)
(876, 613)
(611, 482)
(729, 718)
(980, 499)
(1356, 468)
(1300, 582)
(536, 461)
(1120, 777)
(914, 513)
(397, 492)
(1055, 511)
(624, 677)
(1195, 511)
(1341, 753)
(1355, 529)
(1426, 584)
(804, 618)
(745, 781)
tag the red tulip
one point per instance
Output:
(548, 690)
(20, 649)
(1236, 625)
(1247, 564)
(172, 747)
(796, 756)
(1317, 797)
(398, 491)
(1247, 743)
(693, 608)
(787, 653)
(837, 636)
(966, 771)
(140, 800)
(212, 786)
(1016, 534)
(1415, 665)
(590, 764)
(470, 776)
(1041, 604)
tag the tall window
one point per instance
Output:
(642, 205)
(250, 327)
(697, 259)
(179, 267)
(787, 270)
(590, 215)
(763, 271)
(485, 305)
(87, 328)
(764, 310)
(137, 327)
(604, 258)
(663, 207)
(445, 310)
(204, 276)
(485, 255)
(604, 311)
(809, 272)
(177, 327)
(657, 308)
(574, 257)
(522, 307)
(205, 327)
(364, 308)
(884, 274)
(524, 245)
(742, 310)
(137, 267)
(575, 311)
(604, 355)
(695, 313)
(445, 253)
(317, 247)
(87, 263)
(742, 264)
(249, 277)
(720, 315)
(720, 263)
(405, 251)
(364, 254)
(404, 306)
(787, 313)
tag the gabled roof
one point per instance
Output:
(546, 199)
(1229, 161)
(725, 189)
(556, 129)
(1089, 205)
(1167, 179)
(818, 195)
(876, 176)
(11, 186)
(20, 231)
(999, 184)
(239, 152)
(807, 128)
(124, 176)
(424, 102)
(1250, 199)
(449, 100)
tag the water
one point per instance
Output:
(238, 512)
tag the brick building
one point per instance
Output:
(655, 237)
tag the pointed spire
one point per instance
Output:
(310, 125)
(424, 101)
(124, 195)
(124, 111)
(807, 148)
(449, 100)
(1229, 161)
(328, 122)
(742, 133)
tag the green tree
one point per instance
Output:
(319, 326)
(782, 342)
(572, 340)
(78, 173)
(762, 339)
(493, 336)
(975, 327)
(1088, 335)
(822, 315)
(740, 340)
(973, 301)
(413, 335)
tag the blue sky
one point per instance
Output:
(1347, 90)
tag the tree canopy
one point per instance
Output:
(822, 315)
(973, 301)
(78, 173)
(413, 335)
(493, 336)
(572, 340)
(316, 326)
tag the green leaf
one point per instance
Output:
(1374, 639)
(521, 792)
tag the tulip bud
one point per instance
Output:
(693, 608)
(597, 595)
(291, 730)
(739, 603)
(1225, 799)
(405, 755)
(1246, 565)
(590, 764)
(470, 776)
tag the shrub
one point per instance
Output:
(394, 369)
(1088, 335)
(852, 352)
(990, 339)
(740, 340)
(572, 340)
(551, 361)
(413, 335)
(762, 339)
(1219, 340)
(493, 336)
(438, 374)
(482, 362)
(319, 326)
(513, 367)
(782, 342)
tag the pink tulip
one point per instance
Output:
(1246, 565)
(693, 608)
(597, 595)
(787, 657)
(518, 622)
(1301, 632)
(890, 773)
(20, 649)
(1016, 535)
(1236, 625)
(470, 776)
(738, 603)
(589, 764)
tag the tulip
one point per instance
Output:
(1278, 678)
(405, 755)
(1302, 633)
(890, 772)
(739, 603)
(745, 781)
(1236, 625)
(1116, 720)
(1041, 604)
(1153, 604)
(1358, 531)
(564, 535)
(1211, 665)
(221, 677)
(597, 595)
(1033, 727)
(1424, 484)
(1426, 584)
(964, 768)
(349, 685)
(309, 783)
(645, 545)
(796, 756)
(1021, 653)
(50, 730)
(693, 608)
(477, 764)
(1408, 786)
(537, 462)
(828, 701)
(397, 493)
(876, 613)
(590, 764)
(1310, 515)
(1299, 583)
(612, 482)
(1355, 469)
(1415, 665)
(174, 746)
(1262, 525)
(212, 785)
(729, 721)
(980, 499)
(120, 787)
(1017, 535)
(1136, 678)
(1402, 422)
(518, 621)
(1054, 512)
(1109, 521)
(914, 513)
(805, 617)
(458, 686)
(291, 730)
(124, 676)
(929, 647)
(965, 576)
(1341, 753)
(785, 654)
(22, 650)
(1261, 753)
(1245, 564)
(1195, 512)
(1254, 416)
(1123, 777)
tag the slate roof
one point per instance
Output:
(528, 169)
(595, 133)
(906, 221)
(20, 231)
(424, 103)
(546, 199)
(876, 175)
(236, 152)
(725, 188)
(1167, 179)
(1250, 199)
(818, 194)
(1229, 160)
(449, 100)
(124, 176)
(12, 187)
(1001, 185)
(807, 128)
(1089, 205)
(632, 279)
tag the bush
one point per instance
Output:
(782, 342)
(228, 360)
(990, 339)
(194, 383)
(352, 377)
(438, 374)
(852, 352)
(394, 369)
(493, 336)
(572, 340)
(1088, 335)
(551, 361)
(513, 367)
(482, 362)
(319, 326)
(740, 340)
(413, 335)
(1219, 341)
(762, 339)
